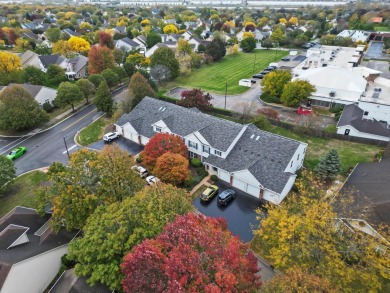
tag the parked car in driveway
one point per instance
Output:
(258, 76)
(16, 153)
(108, 137)
(141, 171)
(285, 59)
(152, 180)
(209, 193)
(226, 196)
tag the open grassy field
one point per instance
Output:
(230, 69)
(21, 192)
(382, 29)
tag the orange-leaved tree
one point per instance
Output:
(160, 144)
(99, 59)
(172, 168)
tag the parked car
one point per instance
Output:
(152, 180)
(265, 72)
(16, 153)
(226, 196)
(108, 137)
(209, 193)
(141, 171)
(253, 81)
(270, 68)
(258, 76)
(285, 59)
(304, 110)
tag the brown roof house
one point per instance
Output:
(30, 252)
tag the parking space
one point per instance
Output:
(375, 50)
(240, 213)
(131, 147)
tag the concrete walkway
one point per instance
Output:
(203, 182)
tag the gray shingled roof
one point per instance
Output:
(181, 121)
(46, 60)
(353, 116)
(130, 42)
(78, 62)
(266, 157)
(31, 88)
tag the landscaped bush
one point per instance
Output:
(47, 106)
(266, 97)
(201, 171)
(66, 262)
(139, 158)
(214, 178)
(196, 162)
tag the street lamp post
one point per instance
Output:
(225, 94)
(66, 147)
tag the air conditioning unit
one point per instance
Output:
(332, 94)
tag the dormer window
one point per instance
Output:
(218, 153)
(158, 129)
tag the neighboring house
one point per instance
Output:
(353, 122)
(70, 283)
(259, 163)
(3, 19)
(46, 60)
(127, 45)
(370, 182)
(187, 35)
(120, 29)
(77, 67)
(355, 35)
(71, 33)
(173, 38)
(30, 58)
(40, 93)
(196, 42)
(30, 252)
(151, 51)
(258, 35)
(30, 36)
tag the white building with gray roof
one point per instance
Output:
(259, 163)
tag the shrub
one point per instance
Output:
(266, 97)
(214, 178)
(139, 158)
(66, 262)
(261, 122)
(196, 162)
(202, 171)
(47, 106)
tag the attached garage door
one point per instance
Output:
(223, 175)
(144, 140)
(239, 184)
(253, 190)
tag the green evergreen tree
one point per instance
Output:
(103, 99)
(329, 165)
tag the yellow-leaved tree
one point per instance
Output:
(9, 62)
(293, 20)
(311, 231)
(170, 29)
(63, 48)
(78, 44)
(283, 20)
(247, 35)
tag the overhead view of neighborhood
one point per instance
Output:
(194, 146)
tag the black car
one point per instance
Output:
(258, 76)
(270, 68)
(285, 59)
(226, 196)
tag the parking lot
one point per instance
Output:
(375, 50)
(131, 147)
(240, 213)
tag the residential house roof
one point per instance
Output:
(28, 58)
(70, 283)
(30, 35)
(354, 116)
(265, 157)
(71, 32)
(129, 42)
(371, 181)
(376, 19)
(46, 60)
(120, 29)
(40, 93)
(78, 63)
(24, 220)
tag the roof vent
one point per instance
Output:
(252, 136)
(332, 94)
(257, 138)
(163, 109)
(160, 108)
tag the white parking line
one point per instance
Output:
(71, 148)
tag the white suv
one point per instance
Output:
(108, 137)
(140, 170)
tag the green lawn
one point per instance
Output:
(230, 69)
(350, 153)
(382, 29)
(21, 192)
(93, 132)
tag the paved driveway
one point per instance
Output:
(240, 213)
(375, 50)
(131, 147)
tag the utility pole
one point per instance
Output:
(66, 147)
(225, 94)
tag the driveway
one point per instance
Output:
(131, 147)
(375, 50)
(240, 213)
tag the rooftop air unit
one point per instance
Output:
(332, 94)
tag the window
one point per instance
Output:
(365, 113)
(218, 153)
(291, 163)
(192, 144)
(192, 155)
(298, 158)
(215, 169)
(158, 129)
(206, 149)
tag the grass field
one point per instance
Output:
(230, 69)
(93, 132)
(382, 29)
(21, 192)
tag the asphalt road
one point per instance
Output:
(48, 146)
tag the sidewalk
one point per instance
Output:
(203, 182)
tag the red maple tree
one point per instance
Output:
(172, 168)
(160, 144)
(195, 98)
(105, 39)
(192, 254)
(12, 37)
(99, 59)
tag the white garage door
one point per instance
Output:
(144, 140)
(253, 190)
(223, 175)
(239, 184)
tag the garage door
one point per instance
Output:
(239, 184)
(253, 190)
(144, 140)
(223, 175)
